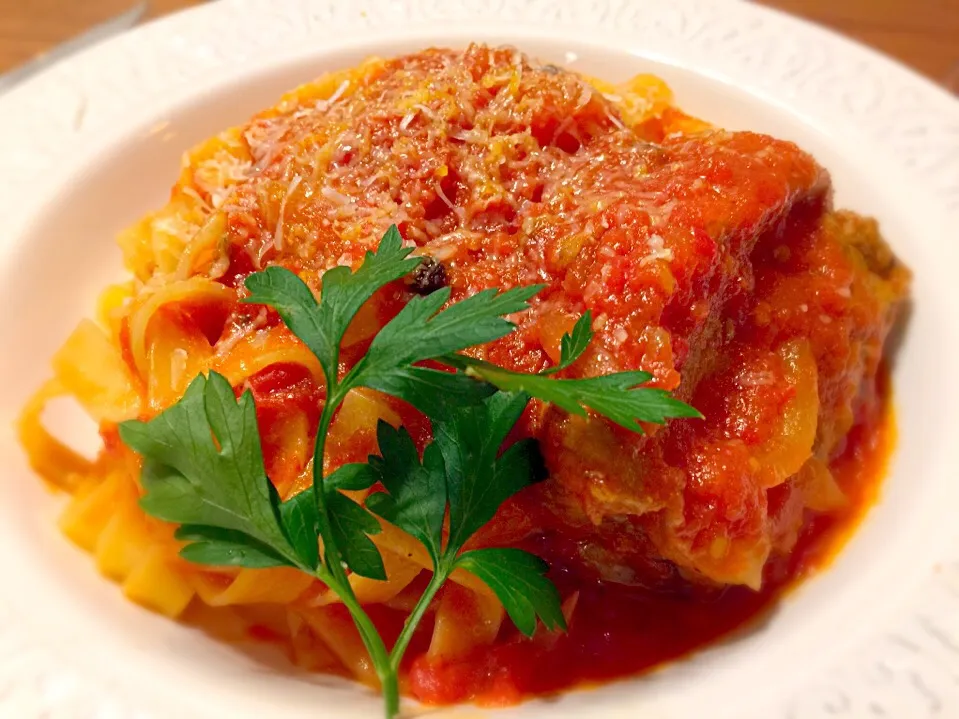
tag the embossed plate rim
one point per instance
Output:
(70, 103)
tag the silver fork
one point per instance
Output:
(108, 28)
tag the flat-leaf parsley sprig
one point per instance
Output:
(203, 464)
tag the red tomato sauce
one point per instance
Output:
(617, 632)
(714, 261)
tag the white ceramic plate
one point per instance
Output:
(93, 143)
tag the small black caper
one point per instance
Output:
(429, 276)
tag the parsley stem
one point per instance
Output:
(374, 645)
(440, 575)
(335, 575)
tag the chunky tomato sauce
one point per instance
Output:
(713, 260)
(616, 632)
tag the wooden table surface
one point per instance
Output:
(921, 33)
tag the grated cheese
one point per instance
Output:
(278, 234)
(334, 196)
(657, 251)
(264, 138)
(239, 331)
(613, 119)
(459, 211)
(324, 105)
(175, 226)
(190, 191)
(407, 119)
(217, 176)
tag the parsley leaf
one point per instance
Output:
(421, 331)
(416, 502)
(618, 397)
(299, 518)
(203, 464)
(227, 547)
(464, 468)
(574, 344)
(354, 476)
(429, 390)
(479, 480)
(350, 524)
(517, 578)
(321, 325)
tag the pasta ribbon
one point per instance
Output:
(174, 320)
